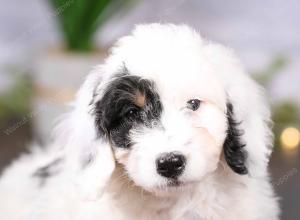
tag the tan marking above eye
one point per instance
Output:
(140, 99)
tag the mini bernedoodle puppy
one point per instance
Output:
(170, 127)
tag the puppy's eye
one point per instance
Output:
(193, 104)
(132, 113)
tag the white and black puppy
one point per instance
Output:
(169, 127)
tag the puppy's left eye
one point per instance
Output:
(193, 104)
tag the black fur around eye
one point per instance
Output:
(193, 104)
(127, 103)
(132, 113)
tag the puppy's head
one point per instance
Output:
(163, 138)
(171, 106)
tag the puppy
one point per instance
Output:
(169, 127)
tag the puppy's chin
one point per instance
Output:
(170, 188)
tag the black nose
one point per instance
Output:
(170, 165)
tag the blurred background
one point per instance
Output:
(48, 46)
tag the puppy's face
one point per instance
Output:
(164, 107)
(165, 137)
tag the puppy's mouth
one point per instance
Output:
(171, 187)
(174, 183)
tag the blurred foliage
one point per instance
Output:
(285, 112)
(80, 19)
(265, 77)
(16, 101)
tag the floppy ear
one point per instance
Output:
(88, 155)
(248, 144)
(249, 141)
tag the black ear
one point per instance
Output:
(234, 151)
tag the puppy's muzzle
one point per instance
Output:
(170, 165)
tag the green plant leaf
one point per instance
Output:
(80, 19)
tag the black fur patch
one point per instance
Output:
(234, 152)
(128, 102)
(47, 171)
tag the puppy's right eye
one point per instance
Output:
(193, 104)
(132, 113)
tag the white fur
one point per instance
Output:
(120, 184)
